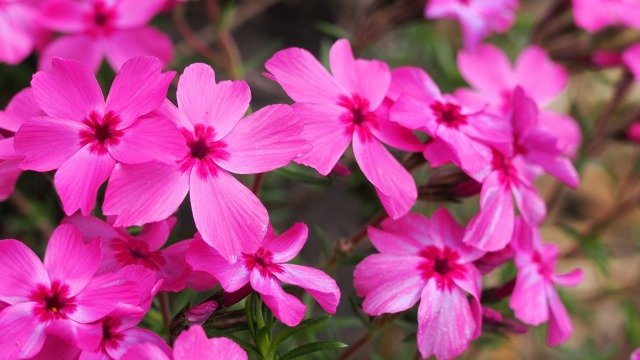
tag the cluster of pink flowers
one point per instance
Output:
(89, 31)
(98, 280)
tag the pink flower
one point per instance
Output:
(466, 133)
(635, 355)
(633, 132)
(478, 18)
(215, 142)
(20, 30)
(120, 249)
(62, 296)
(80, 134)
(594, 15)
(494, 80)
(265, 268)
(95, 29)
(422, 259)
(21, 107)
(344, 107)
(534, 299)
(191, 344)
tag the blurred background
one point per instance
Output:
(597, 227)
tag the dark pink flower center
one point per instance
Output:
(359, 113)
(54, 302)
(448, 114)
(262, 260)
(136, 252)
(100, 132)
(101, 19)
(111, 338)
(508, 172)
(202, 146)
(545, 269)
(440, 264)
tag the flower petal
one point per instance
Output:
(286, 307)
(203, 257)
(18, 260)
(529, 299)
(70, 91)
(389, 283)
(193, 344)
(145, 351)
(288, 244)
(317, 283)
(133, 337)
(227, 214)
(139, 194)
(65, 16)
(560, 327)
(69, 261)
(149, 139)
(533, 64)
(404, 236)
(80, 47)
(134, 13)
(487, 68)
(265, 140)
(79, 192)
(23, 333)
(572, 278)
(123, 45)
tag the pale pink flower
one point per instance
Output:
(594, 15)
(477, 18)
(94, 29)
(62, 296)
(344, 107)
(119, 249)
(489, 71)
(466, 132)
(215, 142)
(21, 107)
(191, 344)
(265, 268)
(20, 30)
(425, 259)
(535, 299)
(81, 134)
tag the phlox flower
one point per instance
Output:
(635, 355)
(344, 107)
(94, 29)
(594, 15)
(21, 107)
(63, 296)
(81, 134)
(534, 299)
(425, 259)
(214, 142)
(191, 344)
(119, 249)
(478, 18)
(489, 72)
(465, 133)
(20, 30)
(265, 268)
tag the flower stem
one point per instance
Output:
(165, 308)
(20, 202)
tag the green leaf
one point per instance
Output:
(632, 322)
(300, 174)
(311, 348)
(288, 332)
(332, 30)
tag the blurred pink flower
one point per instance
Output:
(21, 107)
(344, 107)
(635, 355)
(82, 134)
(633, 132)
(265, 268)
(489, 71)
(119, 249)
(594, 15)
(215, 142)
(425, 259)
(466, 133)
(191, 344)
(94, 29)
(20, 30)
(478, 18)
(63, 296)
(534, 299)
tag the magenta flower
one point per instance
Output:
(120, 249)
(215, 142)
(191, 344)
(422, 259)
(489, 71)
(478, 18)
(594, 15)
(95, 29)
(466, 133)
(82, 134)
(21, 107)
(265, 268)
(20, 30)
(344, 107)
(534, 299)
(62, 296)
